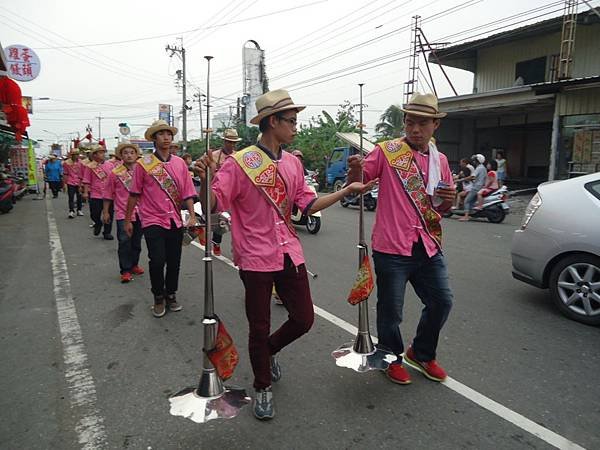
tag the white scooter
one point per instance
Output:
(312, 221)
(495, 207)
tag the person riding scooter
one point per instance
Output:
(479, 178)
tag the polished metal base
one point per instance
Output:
(378, 359)
(189, 404)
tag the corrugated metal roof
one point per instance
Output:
(469, 49)
(353, 139)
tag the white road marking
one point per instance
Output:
(494, 407)
(82, 391)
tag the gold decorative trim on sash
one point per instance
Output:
(263, 174)
(98, 170)
(156, 169)
(400, 157)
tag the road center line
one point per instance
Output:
(82, 391)
(494, 407)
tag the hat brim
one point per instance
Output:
(120, 148)
(256, 119)
(232, 139)
(423, 114)
(150, 132)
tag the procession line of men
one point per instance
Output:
(259, 187)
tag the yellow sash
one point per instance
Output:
(123, 175)
(262, 172)
(400, 157)
(156, 169)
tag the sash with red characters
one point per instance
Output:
(400, 156)
(98, 170)
(156, 169)
(123, 175)
(263, 174)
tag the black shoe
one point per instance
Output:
(108, 237)
(97, 229)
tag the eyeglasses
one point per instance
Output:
(292, 122)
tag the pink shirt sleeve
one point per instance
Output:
(188, 190)
(373, 164)
(87, 175)
(225, 184)
(137, 184)
(446, 173)
(303, 196)
(109, 188)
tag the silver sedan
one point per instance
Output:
(558, 246)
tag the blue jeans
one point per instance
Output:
(429, 278)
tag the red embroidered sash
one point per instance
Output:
(400, 157)
(123, 175)
(156, 169)
(263, 174)
(98, 170)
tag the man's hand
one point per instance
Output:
(84, 195)
(360, 188)
(128, 227)
(191, 221)
(203, 162)
(448, 194)
(106, 217)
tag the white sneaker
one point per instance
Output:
(71, 214)
(79, 212)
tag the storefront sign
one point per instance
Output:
(23, 63)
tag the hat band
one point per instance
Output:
(421, 108)
(280, 104)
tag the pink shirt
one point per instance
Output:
(155, 206)
(397, 223)
(73, 172)
(260, 236)
(116, 191)
(97, 185)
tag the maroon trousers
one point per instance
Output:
(292, 286)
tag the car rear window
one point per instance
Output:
(594, 188)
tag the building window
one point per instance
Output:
(531, 71)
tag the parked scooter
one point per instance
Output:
(20, 186)
(6, 194)
(495, 207)
(312, 221)
(370, 199)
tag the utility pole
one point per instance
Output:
(411, 85)
(180, 51)
(99, 125)
(199, 96)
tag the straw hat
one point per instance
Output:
(231, 134)
(123, 145)
(97, 148)
(157, 126)
(423, 105)
(272, 102)
(74, 151)
(52, 156)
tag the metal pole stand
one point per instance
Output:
(210, 399)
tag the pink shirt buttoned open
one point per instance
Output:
(259, 234)
(397, 223)
(73, 173)
(95, 183)
(155, 206)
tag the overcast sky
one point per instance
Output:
(304, 41)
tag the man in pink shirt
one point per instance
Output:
(259, 186)
(94, 179)
(73, 174)
(161, 185)
(116, 194)
(415, 185)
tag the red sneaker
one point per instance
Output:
(126, 277)
(202, 236)
(216, 250)
(431, 369)
(397, 373)
(137, 270)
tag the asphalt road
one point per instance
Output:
(504, 340)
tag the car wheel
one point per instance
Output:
(575, 288)
(344, 203)
(313, 224)
(338, 185)
(370, 204)
(495, 214)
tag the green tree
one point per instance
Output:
(391, 123)
(317, 139)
